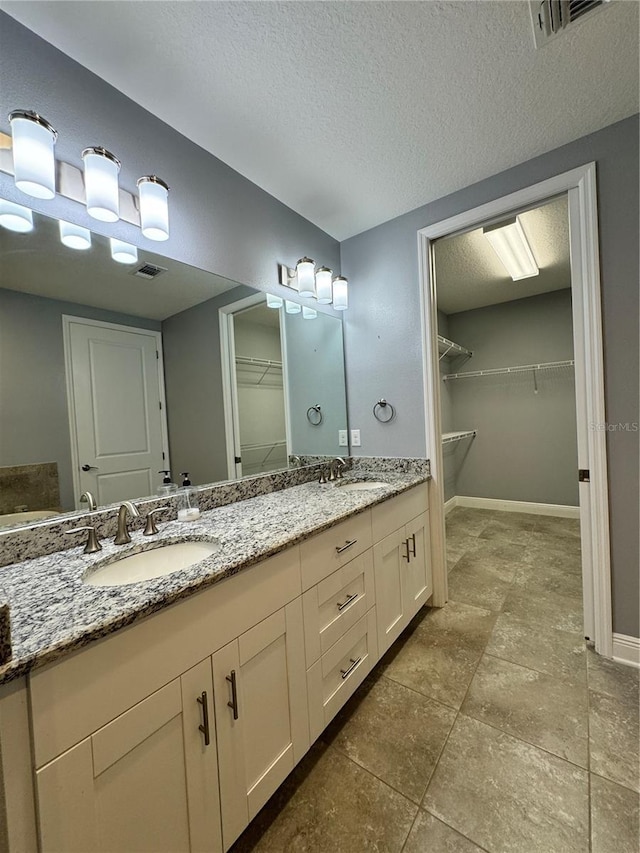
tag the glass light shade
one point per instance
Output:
(340, 293)
(273, 301)
(154, 207)
(510, 244)
(305, 274)
(292, 307)
(101, 184)
(123, 253)
(309, 313)
(74, 236)
(15, 217)
(324, 291)
(34, 163)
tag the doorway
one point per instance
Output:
(579, 186)
(117, 412)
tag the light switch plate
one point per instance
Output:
(355, 438)
(343, 440)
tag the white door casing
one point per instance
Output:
(580, 184)
(117, 417)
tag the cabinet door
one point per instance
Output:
(261, 714)
(134, 784)
(418, 585)
(390, 561)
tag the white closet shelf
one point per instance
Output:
(450, 348)
(258, 362)
(520, 368)
(449, 437)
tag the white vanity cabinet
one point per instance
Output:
(402, 562)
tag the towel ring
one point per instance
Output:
(382, 406)
(314, 415)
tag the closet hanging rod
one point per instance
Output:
(521, 368)
(449, 437)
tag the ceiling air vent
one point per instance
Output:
(550, 18)
(148, 270)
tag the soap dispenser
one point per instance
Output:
(167, 488)
(188, 509)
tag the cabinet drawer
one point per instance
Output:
(392, 514)
(336, 604)
(334, 678)
(325, 553)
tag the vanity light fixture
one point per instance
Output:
(15, 217)
(324, 293)
(309, 313)
(305, 273)
(154, 207)
(340, 293)
(101, 184)
(274, 301)
(123, 253)
(74, 236)
(34, 163)
(292, 307)
(510, 244)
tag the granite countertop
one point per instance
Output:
(53, 612)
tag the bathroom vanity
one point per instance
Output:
(172, 732)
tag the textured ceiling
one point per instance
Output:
(39, 264)
(352, 113)
(470, 275)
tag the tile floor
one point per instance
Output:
(487, 727)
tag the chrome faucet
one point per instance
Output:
(336, 468)
(126, 508)
(87, 497)
(295, 461)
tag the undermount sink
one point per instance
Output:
(155, 563)
(362, 486)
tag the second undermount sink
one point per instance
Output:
(154, 563)
(362, 485)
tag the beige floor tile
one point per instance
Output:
(482, 581)
(554, 555)
(522, 641)
(546, 610)
(330, 804)
(439, 657)
(508, 796)
(394, 732)
(568, 528)
(614, 736)
(430, 835)
(498, 530)
(545, 711)
(614, 679)
(555, 541)
(538, 576)
(615, 822)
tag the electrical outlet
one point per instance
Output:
(343, 440)
(355, 438)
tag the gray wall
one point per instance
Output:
(193, 385)
(526, 446)
(382, 327)
(34, 420)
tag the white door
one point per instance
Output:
(115, 406)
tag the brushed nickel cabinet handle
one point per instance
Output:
(233, 704)
(413, 539)
(406, 556)
(346, 603)
(346, 545)
(204, 726)
(347, 672)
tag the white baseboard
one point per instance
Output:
(515, 506)
(626, 650)
(450, 504)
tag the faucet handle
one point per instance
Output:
(323, 477)
(150, 527)
(92, 545)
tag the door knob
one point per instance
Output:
(90, 468)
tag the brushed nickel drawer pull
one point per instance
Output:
(406, 556)
(234, 693)
(346, 603)
(347, 672)
(204, 726)
(346, 545)
(413, 539)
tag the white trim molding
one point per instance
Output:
(452, 503)
(580, 186)
(626, 650)
(559, 510)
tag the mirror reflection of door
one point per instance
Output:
(260, 434)
(115, 408)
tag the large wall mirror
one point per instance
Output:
(113, 371)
